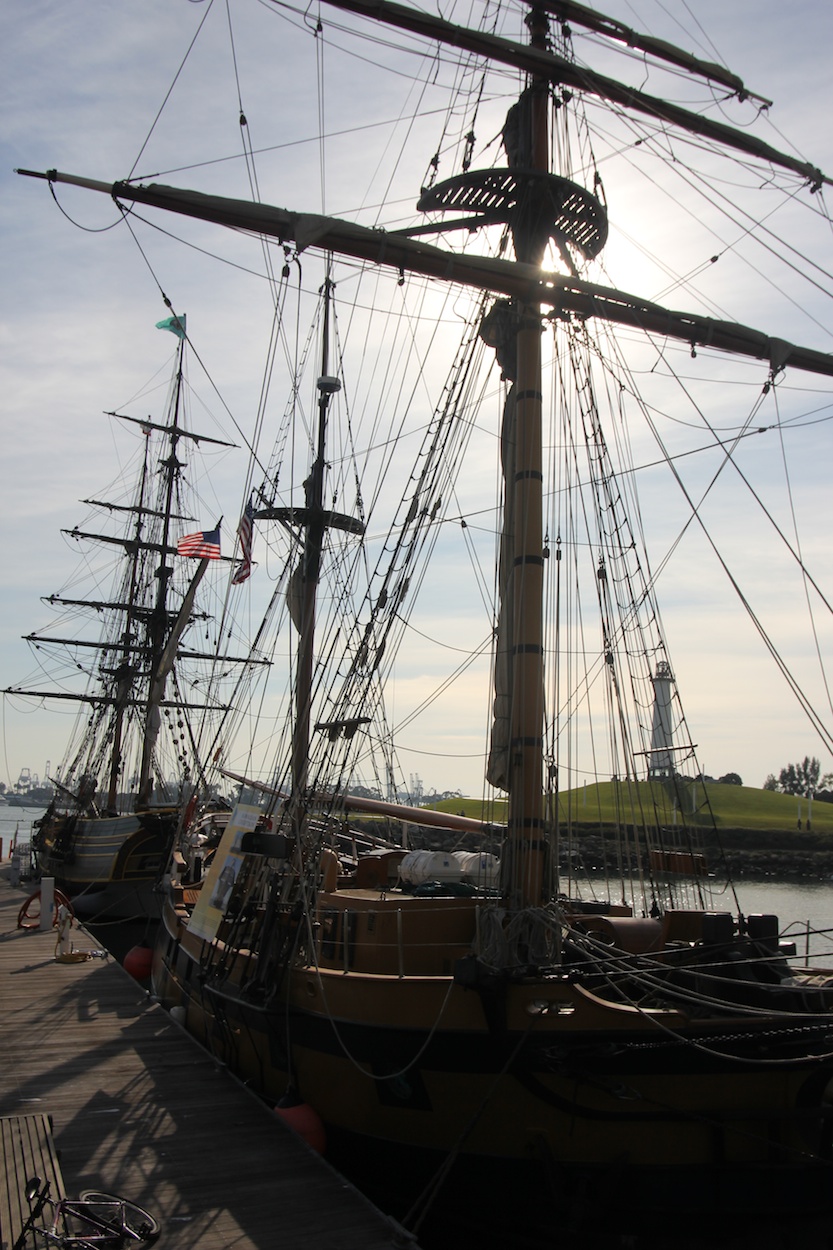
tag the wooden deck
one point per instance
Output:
(27, 1150)
(139, 1109)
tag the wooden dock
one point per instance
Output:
(27, 1150)
(139, 1108)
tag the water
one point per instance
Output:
(16, 822)
(805, 912)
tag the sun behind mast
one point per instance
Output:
(538, 207)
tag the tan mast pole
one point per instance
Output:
(125, 669)
(158, 624)
(310, 570)
(527, 859)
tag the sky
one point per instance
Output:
(86, 88)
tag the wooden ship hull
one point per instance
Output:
(109, 866)
(569, 1088)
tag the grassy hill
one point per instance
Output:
(732, 807)
(756, 835)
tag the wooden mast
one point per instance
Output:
(125, 672)
(525, 878)
(310, 572)
(158, 624)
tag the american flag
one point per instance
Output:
(245, 531)
(205, 544)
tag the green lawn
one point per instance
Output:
(734, 807)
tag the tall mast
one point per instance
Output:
(310, 571)
(158, 624)
(537, 206)
(125, 673)
(525, 880)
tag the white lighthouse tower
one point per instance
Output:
(661, 757)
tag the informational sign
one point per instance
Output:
(222, 873)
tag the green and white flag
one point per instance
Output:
(176, 325)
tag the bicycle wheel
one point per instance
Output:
(133, 1220)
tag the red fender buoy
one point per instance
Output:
(304, 1120)
(29, 918)
(139, 961)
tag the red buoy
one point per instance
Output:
(303, 1120)
(138, 961)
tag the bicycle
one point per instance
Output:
(95, 1221)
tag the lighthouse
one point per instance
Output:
(660, 758)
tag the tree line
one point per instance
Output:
(803, 779)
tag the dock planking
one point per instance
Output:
(27, 1150)
(139, 1108)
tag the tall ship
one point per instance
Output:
(132, 656)
(547, 1013)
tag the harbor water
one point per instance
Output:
(16, 825)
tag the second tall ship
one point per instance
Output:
(144, 678)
